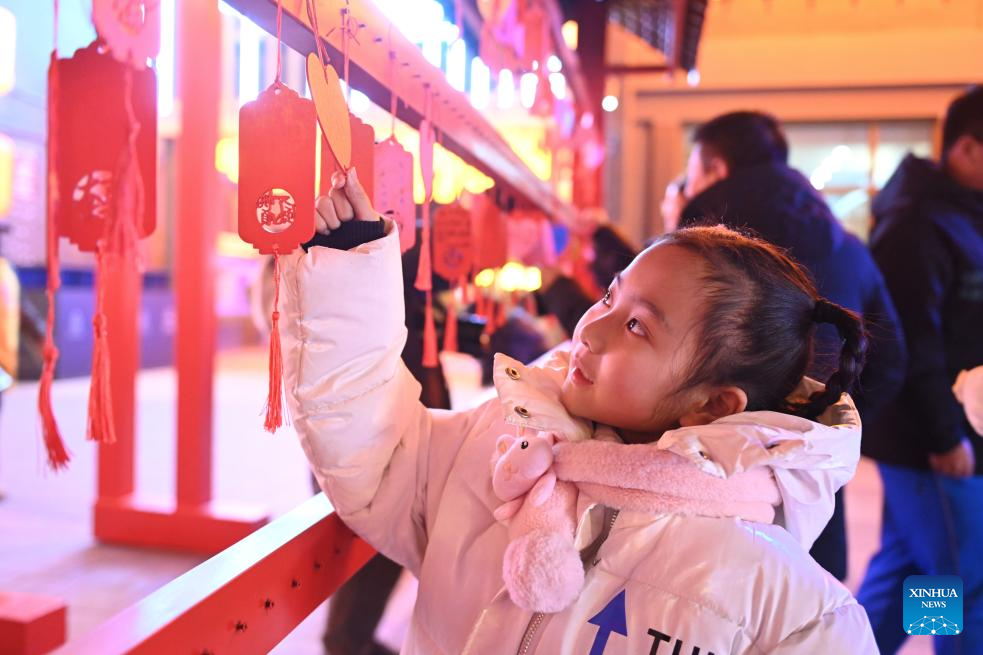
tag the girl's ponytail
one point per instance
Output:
(852, 356)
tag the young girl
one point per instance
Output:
(693, 360)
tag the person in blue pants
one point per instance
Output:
(928, 242)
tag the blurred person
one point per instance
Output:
(738, 174)
(928, 241)
(672, 203)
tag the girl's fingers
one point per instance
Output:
(325, 215)
(361, 204)
(342, 208)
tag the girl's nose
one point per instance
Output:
(591, 335)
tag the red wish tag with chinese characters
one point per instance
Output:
(393, 195)
(276, 170)
(92, 154)
(453, 248)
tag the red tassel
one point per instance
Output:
(101, 426)
(274, 394)
(466, 291)
(450, 329)
(424, 272)
(479, 303)
(490, 325)
(503, 314)
(58, 456)
(429, 336)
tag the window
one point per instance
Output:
(850, 162)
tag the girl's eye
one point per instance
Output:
(606, 299)
(634, 325)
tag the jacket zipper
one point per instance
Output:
(537, 619)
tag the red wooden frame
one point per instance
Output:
(247, 598)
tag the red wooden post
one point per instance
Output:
(199, 83)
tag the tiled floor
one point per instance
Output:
(46, 544)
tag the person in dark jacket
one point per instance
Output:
(928, 241)
(737, 175)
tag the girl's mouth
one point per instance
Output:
(579, 379)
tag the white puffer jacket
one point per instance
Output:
(415, 484)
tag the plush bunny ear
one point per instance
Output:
(503, 443)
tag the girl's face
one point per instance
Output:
(632, 349)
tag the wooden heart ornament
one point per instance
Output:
(332, 112)
(131, 28)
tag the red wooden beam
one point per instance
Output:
(244, 600)
(635, 70)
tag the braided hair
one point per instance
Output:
(759, 323)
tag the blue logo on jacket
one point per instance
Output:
(933, 605)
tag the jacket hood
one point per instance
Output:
(810, 460)
(917, 180)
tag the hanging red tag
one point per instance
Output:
(489, 234)
(490, 51)
(453, 249)
(536, 36)
(131, 28)
(393, 195)
(530, 238)
(276, 171)
(332, 111)
(93, 155)
(362, 158)
(543, 103)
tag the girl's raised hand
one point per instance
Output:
(346, 200)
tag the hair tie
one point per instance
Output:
(822, 311)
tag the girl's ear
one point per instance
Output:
(721, 402)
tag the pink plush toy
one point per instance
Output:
(522, 465)
(542, 568)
